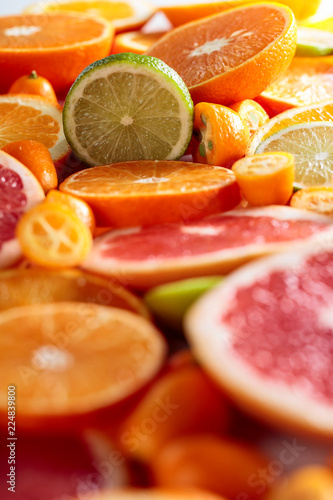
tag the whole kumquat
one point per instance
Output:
(34, 84)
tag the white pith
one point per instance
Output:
(210, 340)
(22, 30)
(128, 68)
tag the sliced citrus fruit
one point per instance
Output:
(37, 158)
(252, 113)
(58, 47)
(220, 135)
(148, 192)
(24, 117)
(312, 147)
(159, 254)
(186, 388)
(169, 302)
(181, 13)
(266, 179)
(135, 41)
(312, 42)
(20, 287)
(19, 191)
(318, 199)
(156, 494)
(306, 81)
(75, 358)
(122, 14)
(211, 463)
(34, 84)
(312, 481)
(240, 332)
(231, 56)
(80, 207)
(322, 111)
(128, 107)
(52, 235)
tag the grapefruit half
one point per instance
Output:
(142, 257)
(266, 336)
(19, 191)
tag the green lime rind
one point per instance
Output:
(313, 42)
(170, 302)
(153, 67)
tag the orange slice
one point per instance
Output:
(151, 192)
(182, 13)
(122, 14)
(266, 179)
(72, 358)
(306, 81)
(52, 235)
(231, 56)
(24, 117)
(135, 41)
(58, 47)
(322, 111)
(80, 207)
(20, 287)
(318, 199)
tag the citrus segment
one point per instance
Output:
(37, 158)
(312, 147)
(128, 107)
(318, 199)
(19, 191)
(145, 193)
(24, 117)
(75, 358)
(266, 179)
(306, 81)
(209, 462)
(80, 207)
(231, 56)
(252, 113)
(135, 41)
(58, 46)
(169, 302)
(52, 235)
(20, 287)
(240, 331)
(159, 254)
(221, 136)
(122, 14)
(313, 42)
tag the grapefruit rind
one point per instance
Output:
(210, 338)
(151, 67)
(144, 274)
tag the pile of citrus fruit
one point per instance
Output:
(166, 251)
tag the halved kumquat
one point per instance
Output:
(52, 235)
(266, 179)
(220, 135)
(252, 113)
(318, 199)
(80, 207)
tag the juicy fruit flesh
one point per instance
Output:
(12, 203)
(127, 114)
(20, 122)
(110, 10)
(32, 31)
(210, 235)
(221, 44)
(296, 348)
(312, 147)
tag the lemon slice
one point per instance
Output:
(312, 42)
(312, 147)
(128, 107)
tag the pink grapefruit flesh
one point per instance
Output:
(144, 257)
(266, 335)
(19, 190)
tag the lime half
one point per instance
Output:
(128, 107)
(312, 146)
(312, 42)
